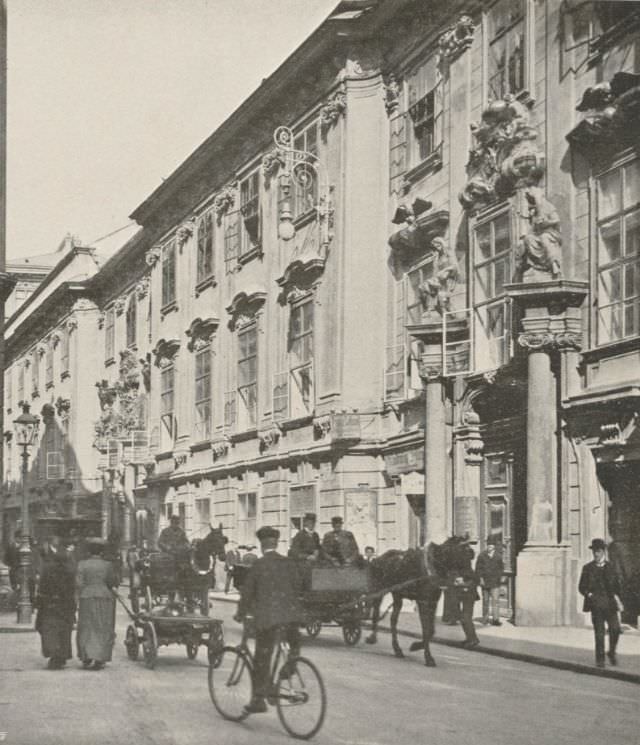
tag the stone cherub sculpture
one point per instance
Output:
(540, 250)
(435, 292)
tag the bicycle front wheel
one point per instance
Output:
(230, 683)
(302, 699)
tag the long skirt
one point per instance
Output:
(55, 634)
(96, 629)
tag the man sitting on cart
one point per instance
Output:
(270, 593)
(173, 541)
(340, 545)
(305, 545)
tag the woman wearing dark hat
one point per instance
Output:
(601, 589)
(56, 605)
(97, 607)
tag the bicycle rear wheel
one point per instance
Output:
(302, 699)
(230, 683)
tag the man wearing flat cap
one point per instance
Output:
(600, 586)
(305, 545)
(173, 540)
(270, 593)
(340, 545)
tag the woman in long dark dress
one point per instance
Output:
(97, 607)
(56, 605)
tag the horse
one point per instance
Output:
(417, 574)
(205, 551)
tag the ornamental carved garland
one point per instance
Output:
(334, 108)
(119, 401)
(225, 199)
(457, 38)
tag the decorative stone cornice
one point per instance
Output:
(272, 162)
(119, 305)
(244, 307)
(322, 425)
(219, 448)
(391, 92)
(225, 199)
(56, 338)
(142, 287)
(63, 407)
(457, 38)
(165, 351)
(612, 116)
(200, 332)
(185, 231)
(505, 156)
(72, 324)
(41, 350)
(7, 283)
(422, 227)
(548, 341)
(152, 256)
(269, 437)
(334, 108)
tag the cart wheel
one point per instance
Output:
(302, 699)
(313, 628)
(215, 645)
(192, 649)
(351, 632)
(149, 645)
(131, 642)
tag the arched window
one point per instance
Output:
(131, 319)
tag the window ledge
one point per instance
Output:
(611, 349)
(35, 394)
(49, 385)
(295, 422)
(203, 284)
(246, 434)
(133, 346)
(255, 252)
(109, 361)
(431, 163)
(196, 447)
(165, 455)
(168, 308)
(64, 375)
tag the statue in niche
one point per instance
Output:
(436, 291)
(540, 249)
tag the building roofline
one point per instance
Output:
(328, 31)
(55, 271)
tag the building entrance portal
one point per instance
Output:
(622, 482)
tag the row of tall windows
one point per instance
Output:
(131, 327)
(55, 353)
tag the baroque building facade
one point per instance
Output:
(398, 284)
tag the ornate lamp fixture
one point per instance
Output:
(301, 168)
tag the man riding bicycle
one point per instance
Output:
(270, 593)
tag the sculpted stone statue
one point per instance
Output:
(540, 249)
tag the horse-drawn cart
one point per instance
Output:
(170, 605)
(336, 598)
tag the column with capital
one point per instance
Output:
(551, 325)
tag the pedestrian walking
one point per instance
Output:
(490, 570)
(97, 607)
(463, 586)
(600, 586)
(231, 559)
(12, 560)
(56, 605)
(270, 594)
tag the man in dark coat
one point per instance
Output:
(306, 542)
(270, 593)
(600, 587)
(340, 545)
(12, 560)
(56, 605)
(173, 540)
(462, 583)
(489, 570)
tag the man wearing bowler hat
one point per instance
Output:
(340, 545)
(306, 542)
(601, 589)
(270, 593)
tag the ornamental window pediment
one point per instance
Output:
(245, 306)
(165, 352)
(200, 332)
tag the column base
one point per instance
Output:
(544, 586)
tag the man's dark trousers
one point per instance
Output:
(265, 642)
(599, 618)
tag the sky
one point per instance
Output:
(107, 97)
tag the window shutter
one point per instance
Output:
(397, 152)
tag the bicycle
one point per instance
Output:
(299, 694)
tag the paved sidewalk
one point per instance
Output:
(562, 647)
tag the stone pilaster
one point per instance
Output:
(551, 326)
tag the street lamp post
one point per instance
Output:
(26, 433)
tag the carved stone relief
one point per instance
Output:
(225, 199)
(152, 256)
(165, 351)
(453, 42)
(244, 307)
(200, 332)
